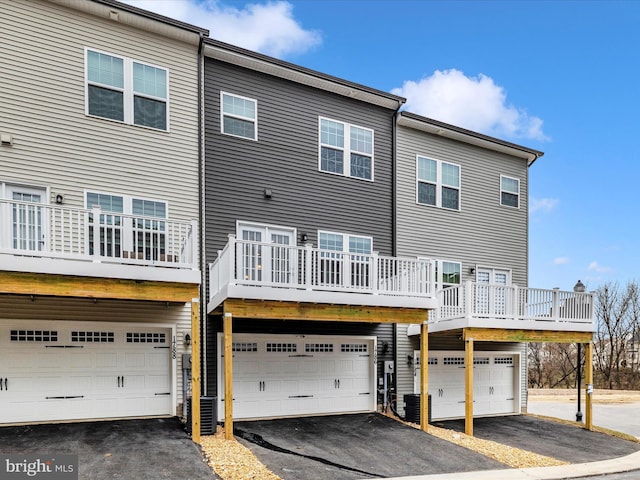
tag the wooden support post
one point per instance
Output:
(228, 377)
(589, 381)
(424, 377)
(468, 387)
(195, 370)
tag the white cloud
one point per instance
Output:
(268, 27)
(544, 205)
(561, 260)
(596, 267)
(475, 103)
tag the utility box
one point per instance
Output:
(389, 366)
(186, 361)
(412, 407)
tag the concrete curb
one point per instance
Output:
(577, 470)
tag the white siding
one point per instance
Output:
(42, 94)
(21, 307)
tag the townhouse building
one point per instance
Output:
(99, 209)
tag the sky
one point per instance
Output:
(556, 76)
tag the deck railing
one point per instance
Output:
(52, 231)
(259, 264)
(473, 300)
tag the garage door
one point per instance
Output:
(68, 370)
(275, 376)
(495, 384)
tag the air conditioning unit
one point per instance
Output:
(208, 415)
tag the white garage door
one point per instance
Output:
(73, 370)
(495, 384)
(283, 375)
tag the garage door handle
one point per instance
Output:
(300, 396)
(163, 393)
(64, 397)
(64, 346)
(301, 355)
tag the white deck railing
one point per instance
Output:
(478, 301)
(259, 264)
(51, 231)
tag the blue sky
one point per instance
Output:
(561, 77)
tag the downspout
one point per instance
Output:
(394, 174)
(201, 229)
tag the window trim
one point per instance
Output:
(128, 92)
(438, 261)
(346, 149)
(127, 201)
(438, 184)
(239, 117)
(345, 244)
(505, 191)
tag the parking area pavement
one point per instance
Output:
(353, 447)
(564, 442)
(141, 449)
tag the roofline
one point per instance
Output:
(235, 55)
(436, 127)
(122, 13)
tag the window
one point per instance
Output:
(141, 235)
(509, 191)
(438, 183)
(238, 116)
(346, 149)
(349, 266)
(125, 90)
(448, 274)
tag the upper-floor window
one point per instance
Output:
(238, 116)
(509, 191)
(438, 183)
(126, 90)
(346, 149)
(342, 242)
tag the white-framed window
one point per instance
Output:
(141, 235)
(448, 272)
(126, 90)
(509, 191)
(437, 183)
(238, 116)
(343, 242)
(23, 220)
(345, 260)
(345, 149)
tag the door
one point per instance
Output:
(285, 375)
(492, 291)
(28, 225)
(266, 255)
(79, 370)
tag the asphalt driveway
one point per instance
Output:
(353, 447)
(564, 442)
(148, 449)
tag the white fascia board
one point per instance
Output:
(303, 78)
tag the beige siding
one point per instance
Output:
(21, 307)
(42, 93)
(482, 233)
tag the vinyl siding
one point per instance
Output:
(21, 307)
(42, 93)
(482, 233)
(285, 160)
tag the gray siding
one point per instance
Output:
(482, 233)
(285, 160)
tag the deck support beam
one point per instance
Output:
(468, 386)
(424, 377)
(195, 370)
(589, 387)
(228, 376)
